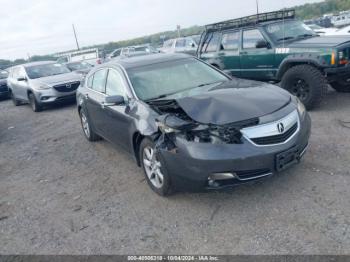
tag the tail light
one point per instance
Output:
(343, 57)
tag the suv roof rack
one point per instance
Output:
(252, 20)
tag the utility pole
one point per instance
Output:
(257, 7)
(178, 27)
(75, 36)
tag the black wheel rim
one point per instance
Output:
(301, 89)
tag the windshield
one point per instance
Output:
(288, 30)
(3, 74)
(78, 66)
(39, 71)
(163, 79)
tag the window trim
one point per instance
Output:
(251, 29)
(121, 77)
(93, 77)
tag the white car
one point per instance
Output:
(322, 30)
(343, 31)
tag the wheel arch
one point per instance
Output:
(300, 59)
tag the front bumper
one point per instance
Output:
(51, 96)
(338, 74)
(193, 163)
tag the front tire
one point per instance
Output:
(14, 99)
(155, 173)
(36, 107)
(341, 87)
(307, 83)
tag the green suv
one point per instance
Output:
(275, 47)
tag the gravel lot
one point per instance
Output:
(60, 194)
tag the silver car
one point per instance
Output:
(42, 83)
(187, 45)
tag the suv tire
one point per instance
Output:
(14, 99)
(33, 103)
(86, 126)
(158, 182)
(341, 87)
(307, 83)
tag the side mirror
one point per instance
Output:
(21, 78)
(193, 45)
(114, 100)
(262, 44)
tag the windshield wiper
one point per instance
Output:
(305, 35)
(286, 38)
(208, 84)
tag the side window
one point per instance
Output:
(15, 73)
(99, 81)
(180, 42)
(21, 72)
(251, 37)
(211, 42)
(115, 84)
(190, 42)
(89, 81)
(230, 41)
(116, 53)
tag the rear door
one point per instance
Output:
(256, 63)
(95, 96)
(228, 54)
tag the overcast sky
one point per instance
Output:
(29, 27)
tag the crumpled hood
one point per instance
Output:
(235, 101)
(59, 79)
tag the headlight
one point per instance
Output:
(301, 108)
(43, 87)
(166, 129)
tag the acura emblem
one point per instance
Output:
(280, 127)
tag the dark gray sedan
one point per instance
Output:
(190, 126)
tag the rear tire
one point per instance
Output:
(155, 173)
(14, 99)
(307, 83)
(36, 107)
(341, 87)
(86, 126)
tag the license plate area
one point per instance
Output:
(287, 158)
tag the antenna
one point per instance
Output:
(75, 35)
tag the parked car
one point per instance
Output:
(42, 83)
(273, 49)
(322, 30)
(187, 45)
(342, 31)
(91, 56)
(189, 125)
(79, 67)
(4, 91)
(132, 51)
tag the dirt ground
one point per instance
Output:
(60, 194)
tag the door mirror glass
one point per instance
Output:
(262, 44)
(114, 100)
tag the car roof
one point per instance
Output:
(137, 61)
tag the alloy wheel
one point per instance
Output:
(85, 124)
(301, 89)
(152, 167)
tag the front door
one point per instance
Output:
(256, 63)
(116, 118)
(229, 53)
